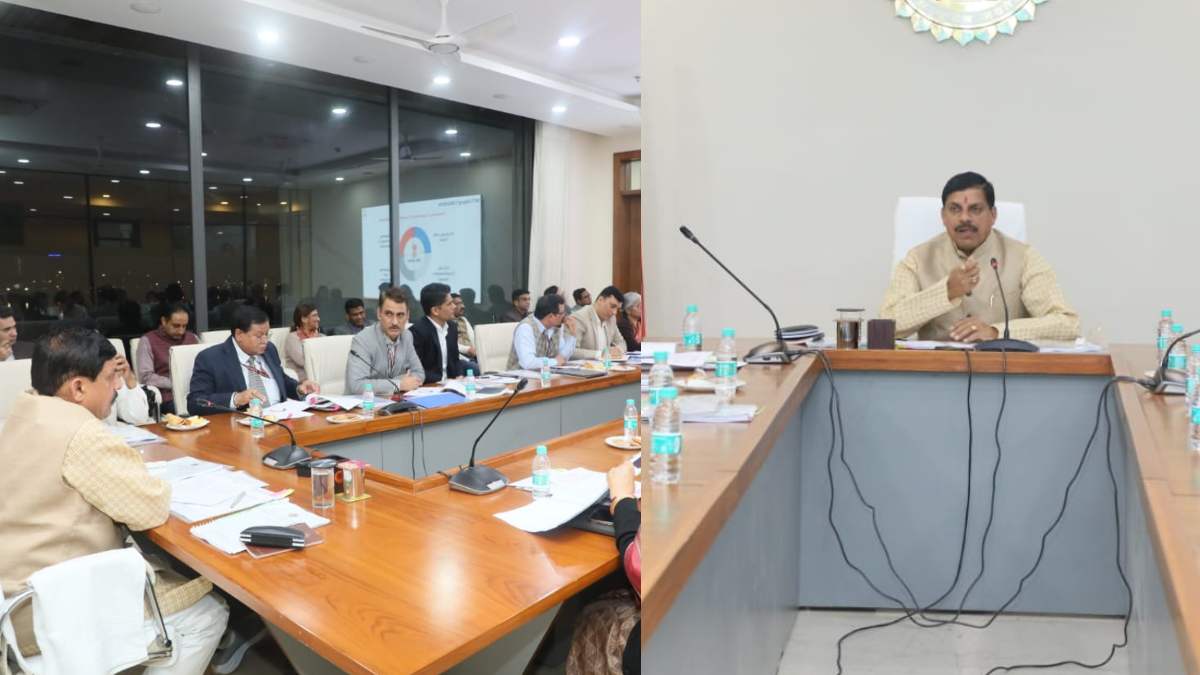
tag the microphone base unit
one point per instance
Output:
(1006, 345)
(285, 457)
(769, 353)
(478, 480)
(1171, 382)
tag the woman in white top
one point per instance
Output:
(306, 323)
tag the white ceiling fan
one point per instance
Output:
(447, 43)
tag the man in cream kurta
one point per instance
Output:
(944, 289)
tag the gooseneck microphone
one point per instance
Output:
(482, 479)
(398, 404)
(1169, 381)
(770, 352)
(283, 457)
(1004, 344)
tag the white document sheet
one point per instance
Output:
(571, 492)
(214, 494)
(288, 410)
(181, 468)
(649, 348)
(225, 533)
(343, 402)
(134, 436)
(689, 359)
(703, 408)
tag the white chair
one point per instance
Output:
(325, 362)
(133, 357)
(119, 345)
(212, 337)
(918, 219)
(493, 343)
(14, 379)
(183, 359)
(277, 336)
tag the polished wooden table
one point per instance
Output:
(725, 464)
(414, 579)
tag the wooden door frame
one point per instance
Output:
(620, 208)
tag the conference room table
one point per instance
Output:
(745, 538)
(417, 578)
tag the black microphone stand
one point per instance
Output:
(768, 352)
(398, 405)
(283, 457)
(1004, 344)
(483, 479)
(1165, 377)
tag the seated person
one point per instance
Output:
(612, 624)
(8, 333)
(549, 333)
(154, 350)
(356, 318)
(551, 290)
(383, 353)
(629, 321)
(306, 323)
(466, 335)
(598, 327)
(71, 487)
(435, 336)
(582, 299)
(133, 404)
(242, 368)
(941, 291)
(520, 306)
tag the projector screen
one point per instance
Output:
(439, 241)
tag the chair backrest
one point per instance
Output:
(277, 336)
(183, 358)
(325, 362)
(493, 342)
(918, 219)
(14, 379)
(119, 345)
(133, 357)
(212, 337)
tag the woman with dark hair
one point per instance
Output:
(306, 323)
(629, 321)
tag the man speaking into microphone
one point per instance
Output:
(942, 290)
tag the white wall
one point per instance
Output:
(587, 193)
(785, 153)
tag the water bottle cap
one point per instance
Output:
(1177, 327)
(727, 332)
(692, 309)
(541, 449)
(256, 402)
(1166, 313)
(661, 357)
(668, 393)
(629, 401)
(470, 372)
(1196, 349)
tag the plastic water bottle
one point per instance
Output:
(666, 438)
(606, 357)
(1164, 334)
(726, 371)
(1193, 381)
(693, 336)
(546, 372)
(1179, 354)
(631, 422)
(257, 427)
(661, 376)
(469, 385)
(1194, 429)
(368, 401)
(541, 473)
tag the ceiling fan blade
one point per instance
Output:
(444, 27)
(489, 29)
(420, 42)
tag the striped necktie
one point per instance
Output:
(254, 379)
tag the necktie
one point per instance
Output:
(255, 380)
(546, 344)
(391, 358)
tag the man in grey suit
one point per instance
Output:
(598, 327)
(383, 354)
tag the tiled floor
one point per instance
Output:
(905, 648)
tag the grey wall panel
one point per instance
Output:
(596, 407)
(736, 612)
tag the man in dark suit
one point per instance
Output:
(435, 335)
(242, 368)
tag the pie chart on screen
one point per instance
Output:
(416, 253)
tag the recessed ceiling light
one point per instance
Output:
(204, 154)
(559, 109)
(441, 80)
(2, 172)
(339, 111)
(174, 82)
(224, 203)
(268, 36)
(212, 187)
(283, 203)
(452, 131)
(106, 214)
(153, 125)
(107, 196)
(340, 178)
(464, 154)
(175, 210)
(568, 41)
(247, 179)
(220, 233)
(33, 210)
(18, 182)
(22, 161)
(259, 203)
(114, 180)
(68, 197)
(144, 172)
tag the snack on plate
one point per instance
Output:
(697, 376)
(177, 421)
(592, 365)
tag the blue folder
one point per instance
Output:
(437, 400)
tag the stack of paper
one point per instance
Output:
(179, 469)
(225, 533)
(571, 493)
(650, 348)
(134, 436)
(217, 493)
(703, 408)
(689, 359)
(288, 410)
(343, 402)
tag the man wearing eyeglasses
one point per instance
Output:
(243, 368)
(547, 333)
